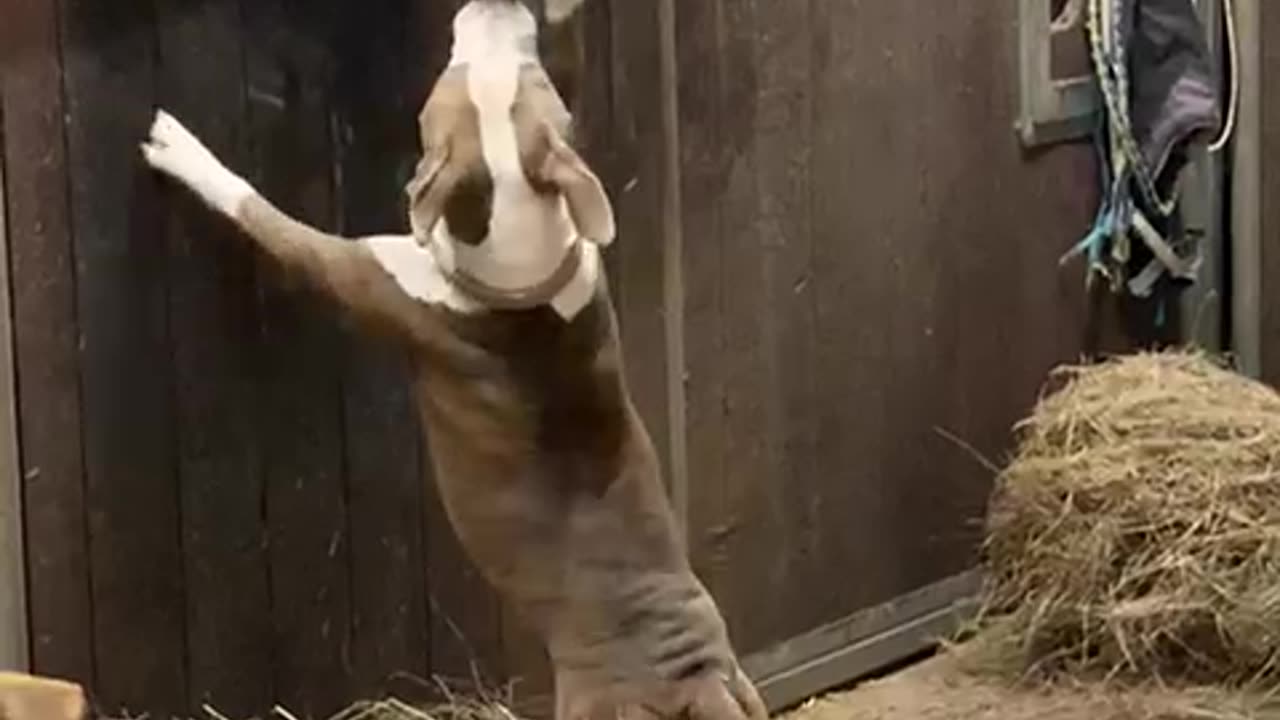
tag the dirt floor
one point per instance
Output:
(936, 690)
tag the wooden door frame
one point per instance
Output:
(1247, 281)
(14, 645)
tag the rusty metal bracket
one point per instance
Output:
(1052, 109)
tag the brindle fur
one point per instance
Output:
(546, 472)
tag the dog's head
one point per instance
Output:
(497, 158)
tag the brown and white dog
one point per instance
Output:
(546, 472)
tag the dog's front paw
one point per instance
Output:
(172, 149)
(175, 151)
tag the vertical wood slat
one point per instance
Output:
(1255, 220)
(385, 482)
(673, 265)
(789, 488)
(732, 285)
(289, 86)
(746, 521)
(856, 225)
(636, 136)
(214, 327)
(703, 169)
(14, 641)
(843, 230)
(126, 373)
(42, 256)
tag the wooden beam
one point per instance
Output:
(862, 643)
(673, 262)
(14, 648)
(1246, 210)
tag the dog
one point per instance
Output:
(546, 472)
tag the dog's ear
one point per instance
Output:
(426, 191)
(583, 192)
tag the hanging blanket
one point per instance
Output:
(1158, 79)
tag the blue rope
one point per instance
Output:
(1104, 222)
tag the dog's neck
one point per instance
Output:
(429, 274)
(559, 269)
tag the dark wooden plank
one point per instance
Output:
(385, 482)
(945, 338)
(290, 79)
(673, 264)
(876, 217)
(864, 173)
(1248, 154)
(214, 325)
(14, 638)
(704, 162)
(736, 510)
(943, 277)
(637, 133)
(879, 332)
(126, 381)
(750, 518)
(1266, 105)
(46, 336)
(593, 119)
(789, 485)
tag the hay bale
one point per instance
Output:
(1136, 532)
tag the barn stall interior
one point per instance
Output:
(835, 260)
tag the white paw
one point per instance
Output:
(173, 150)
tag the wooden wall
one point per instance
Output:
(224, 488)
(1260, 139)
(832, 248)
(870, 261)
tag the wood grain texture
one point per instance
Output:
(704, 162)
(215, 357)
(636, 185)
(385, 481)
(46, 337)
(126, 370)
(290, 81)
(789, 489)
(868, 259)
(14, 640)
(748, 524)
(1267, 105)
